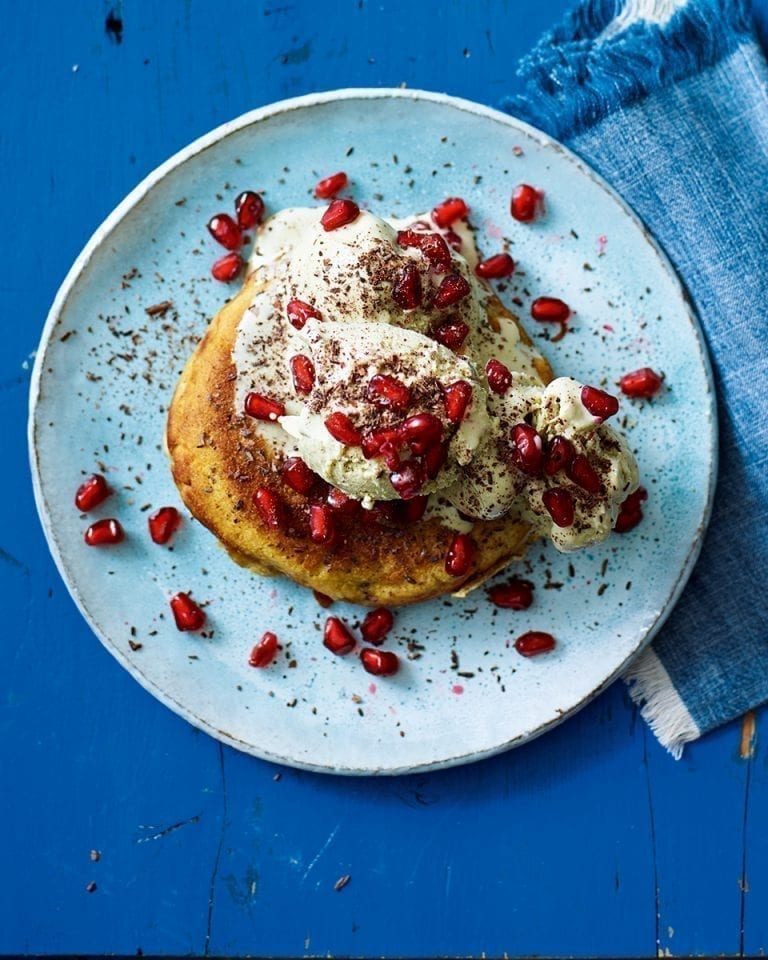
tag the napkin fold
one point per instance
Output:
(669, 102)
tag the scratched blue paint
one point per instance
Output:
(547, 850)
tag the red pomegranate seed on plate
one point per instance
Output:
(249, 208)
(559, 505)
(263, 408)
(550, 310)
(377, 625)
(451, 334)
(322, 527)
(409, 479)
(584, 474)
(534, 642)
(299, 312)
(449, 211)
(337, 637)
(599, 403)
(381, 663)
(515, 595)
(264, 652)
(498, 375)
(91, 492)
(187, 614)
(303, 372)
(163, 524)
(631, 511)
(225, 231)
(228, 267)
(495, 267)
(271, 508)
(324, 600)
(457, 397)
(559, 455)
(339, 214)
(297, 475)
(330, 186)
(342, 429)
(421, 431)
(526, 204)
(387, 391)
(527, 450)
(643, 383)
(460, 555)
(452, 289)
(104, 533)
(406, 289)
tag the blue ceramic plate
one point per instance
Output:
(106, 370)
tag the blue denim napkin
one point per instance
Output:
(669, 102)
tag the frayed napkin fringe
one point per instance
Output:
(573, 78)
(660, 704)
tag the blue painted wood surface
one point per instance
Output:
(589, 842)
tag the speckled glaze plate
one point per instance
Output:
(106, 370)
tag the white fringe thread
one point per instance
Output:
(660, 704)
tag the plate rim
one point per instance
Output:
(198, 146)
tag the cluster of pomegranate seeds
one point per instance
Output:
(337, 637)
(299, 312)
(453, 288)
(499, 376)
(271, 508)
(449, 211)
(377, 625)
(495, 267)
(527, 449)
(460, 555)
(298, 476)
(515, 595)
(559, 505)
(330, 186)
(387, 391)
(264, 651)
(384, 444)
(263, 408)
(421, 431)
(431, 245)
(581, 471)
(303, 372)
(599, 403)
(249, 208)
(104, 533)
(163, 524)
(534, 642)
(339, 214)
(341, 428)
(457, 397)
(381, 663)
(187, 614)
(91, 492)
(226, 268)
(406, 290)
(643, 383)
(631, 511)
(451, 334)
(527, 203)
(559, 456)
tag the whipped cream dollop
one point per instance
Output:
(441, 431)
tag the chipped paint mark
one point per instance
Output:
(321, 851)
(297, 55)
(114, 24)
(164, 831)
(748, 735)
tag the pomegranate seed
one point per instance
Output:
(264, 652)
(457, 397)
(409, 479)
(249, 208)
(337, 637)
(421, 431)
(499, 376)
(406, 290)
(330, 186)
(163, 524)
(431, 245)
(534, 642)
(187, 614)
(643, 383)
(631, 511)
(460, 556)
(342, 502)
(451, 334)
(104, 533)
(382, 513)
(263, 408)
(495, 267)
(339, 214)
(415, 508)
(550, 310)
(453, 240)
(452, 289)
(225, 231)
(434, 459)
(599, 403)
(559, 456)
(321, 523)
(583, 473)
(381, 663)
(226, 268)
(91, 492)
(303, 371)
(271, 508)
(299, 312)
(515, 595)
(377, 625)
(559, 504)
(526, 204)
(527, 452)
(449, 211)
(297, 475)
(386, 391)
(381, 443)
(342, 429)
(322, 599)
